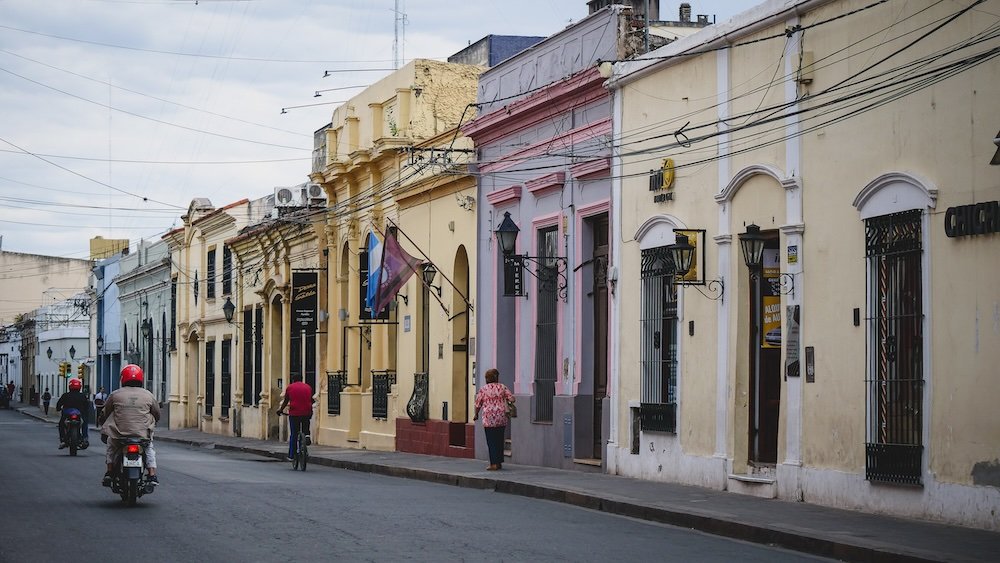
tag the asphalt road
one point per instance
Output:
(225, 506)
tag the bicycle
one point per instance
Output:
(301, 447)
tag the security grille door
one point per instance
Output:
(658, 409)
(895, 383)
(546, 328)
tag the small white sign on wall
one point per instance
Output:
(406, 323)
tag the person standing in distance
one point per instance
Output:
(491, 402)
(299, 400)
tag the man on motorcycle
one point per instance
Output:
(72, 399)
(129, 411)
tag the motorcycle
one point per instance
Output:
(128, 478)
(73, 427)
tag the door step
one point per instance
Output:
(753, 485)
(587, 461)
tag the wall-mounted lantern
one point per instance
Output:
(752, 243)
(429, 273)
(48, 353)
(553, 268)
(72, 352)
(682, 255)
(228, 309)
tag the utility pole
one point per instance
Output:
(398, 50)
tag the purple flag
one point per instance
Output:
(397, 267)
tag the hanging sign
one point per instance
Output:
(304, 301)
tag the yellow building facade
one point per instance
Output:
(841, 357)
(392, 164)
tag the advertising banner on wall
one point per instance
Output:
(304, 301)
(771, 300)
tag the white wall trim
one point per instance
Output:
(658, 230)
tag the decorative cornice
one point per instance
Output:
(590, 168)
(583, 87)
(550, 182)
(723, 239)
(504, 195)
(796, 229)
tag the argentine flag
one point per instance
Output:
(374, 269)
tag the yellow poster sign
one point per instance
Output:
(771, 301)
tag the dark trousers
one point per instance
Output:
(62, 429)
(494, 441)
(294, 423)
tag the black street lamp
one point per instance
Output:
(552, 268)
(752, 243)
(48, 353)
(72, 352)
(682, 255)
(228, 309)
(146, 328)
(507, 234)
(100, 342)
(429, 273)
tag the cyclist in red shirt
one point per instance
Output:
(299, 400)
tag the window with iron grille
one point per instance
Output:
(658, 360)
(336, 382)
(894, 405)
(210, 276)
(209, 376)
(227, 271)
(173, 313)
(248, 350)
(546, 324)
(227, 375)
(382, 382)
(258, 353)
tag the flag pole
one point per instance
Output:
(440, 271)
(418, 274)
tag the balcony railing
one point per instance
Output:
(382, 381)
(416, 408)
(335, 383)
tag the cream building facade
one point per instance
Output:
(388, 163)
(854, 364)
(203, 344)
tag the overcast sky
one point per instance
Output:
(167, 100)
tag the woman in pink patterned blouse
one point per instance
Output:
(491, 402)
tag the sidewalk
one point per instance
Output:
(840, 534)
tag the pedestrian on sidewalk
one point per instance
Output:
(46, 399)
(492, 402)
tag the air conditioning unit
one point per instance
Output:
(314, 194)
(287, 197)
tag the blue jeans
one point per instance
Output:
(294, 423)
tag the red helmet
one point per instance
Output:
(75, 384)
(131, 372)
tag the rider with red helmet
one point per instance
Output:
(130, 411)
(72, 399)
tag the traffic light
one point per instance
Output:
(62, 369)
(79, 371)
